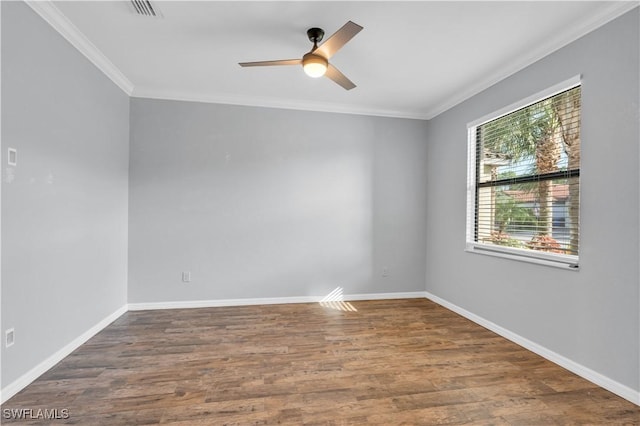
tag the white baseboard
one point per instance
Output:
(20, 383)
(582, 371)
(384, 296)
(268, 301)
(16, 386)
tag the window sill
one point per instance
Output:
(546, 259)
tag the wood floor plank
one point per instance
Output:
(387, 362)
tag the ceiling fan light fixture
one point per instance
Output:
(314, 65)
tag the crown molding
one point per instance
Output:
(52, 15)
(611, 11)
(264, 102)
(47, 10)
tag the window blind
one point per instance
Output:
(527, 186)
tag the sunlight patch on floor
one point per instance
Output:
(335, 300)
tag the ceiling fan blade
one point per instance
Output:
(270, 63)
(338, 39)
(334, 74)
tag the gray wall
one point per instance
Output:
(64, 207)
(590, 316)
(269, 203)
(276, 203)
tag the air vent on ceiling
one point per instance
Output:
(146, 8)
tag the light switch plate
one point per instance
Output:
(12, 157)
(9, 337)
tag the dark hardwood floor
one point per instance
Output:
(385, 362)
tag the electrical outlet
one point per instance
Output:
(186, 277)
(385, 271)
(9, 337)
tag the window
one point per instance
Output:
(524, 179)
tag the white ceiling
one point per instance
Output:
(413, 59)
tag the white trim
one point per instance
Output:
(563, 261)
(582, 371)
(612, 11)
(213, 303)
(255, 101)
(54, 17)
(552, 44)
(548, 259)
(17, 385)
(579, 369)
(386, 296)
(267, 301)
(50, 13)
(568, 84)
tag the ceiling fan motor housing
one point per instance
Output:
(314, 65)
(315, 35)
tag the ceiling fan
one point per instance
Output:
(316, 62)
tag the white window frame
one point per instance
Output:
(549, 259)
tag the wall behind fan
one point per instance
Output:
(272, 203)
